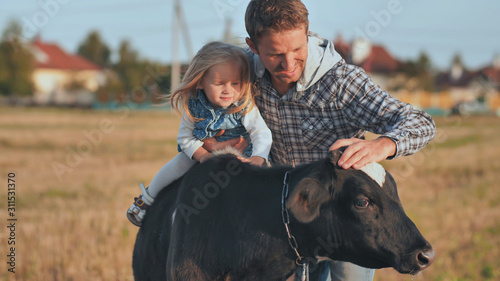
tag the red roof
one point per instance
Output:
(492, 73)
(57, 58)
(380, 60)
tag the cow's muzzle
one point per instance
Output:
(416, 261)
(425, 258)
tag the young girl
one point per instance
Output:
(215, 100)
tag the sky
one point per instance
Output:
(441, 28)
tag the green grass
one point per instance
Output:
(462, 141)
(75, 228)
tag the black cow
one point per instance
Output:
(224, 221)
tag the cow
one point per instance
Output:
(229, 220)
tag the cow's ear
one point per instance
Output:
(306, 199)
(336, 154)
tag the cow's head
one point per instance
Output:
(356, 216)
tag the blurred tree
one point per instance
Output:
(13, 30)
(424, 63)
(112, 90)
(156, 80)
(421, 69)
(425, 72)
(128, 67)
(135, 79)
(17, 63)
(409, 68)
(163, 83)
(94, 49)
(457, 60)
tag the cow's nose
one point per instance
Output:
(425, 258)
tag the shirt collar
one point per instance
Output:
(202, 98)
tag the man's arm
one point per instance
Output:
(404, 130)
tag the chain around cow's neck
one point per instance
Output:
(291, 239)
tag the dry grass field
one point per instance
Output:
(76, 172)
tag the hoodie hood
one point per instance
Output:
(320, 59)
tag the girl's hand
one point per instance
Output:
(254, 160)
(201, 155)
(212, 144)
(204, 157)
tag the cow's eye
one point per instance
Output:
(362, 203)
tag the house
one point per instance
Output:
(457, 79)
(466, 86)
(386, 71)
(374, 59)
(492, 74)
(62, 78)
(489, 82)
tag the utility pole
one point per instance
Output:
(228, 34)
(176, 65)
(178, 25)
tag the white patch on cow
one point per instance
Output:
(228, 150)
(376, 172)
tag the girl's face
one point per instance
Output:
(222, 84)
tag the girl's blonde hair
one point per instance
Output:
(209, 55)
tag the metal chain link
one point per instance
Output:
(286, 220)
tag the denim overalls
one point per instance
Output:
(215, 120)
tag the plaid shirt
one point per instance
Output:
(344, 103)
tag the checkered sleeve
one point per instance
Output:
(366, 106)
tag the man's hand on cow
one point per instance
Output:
(212, 144)
(360, 152)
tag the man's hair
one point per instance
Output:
(275, 16)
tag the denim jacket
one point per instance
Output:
(215, 120)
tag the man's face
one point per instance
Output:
(283, 54)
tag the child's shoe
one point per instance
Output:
(137, 211)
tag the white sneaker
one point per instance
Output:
(137, 210)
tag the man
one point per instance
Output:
(314, 102)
